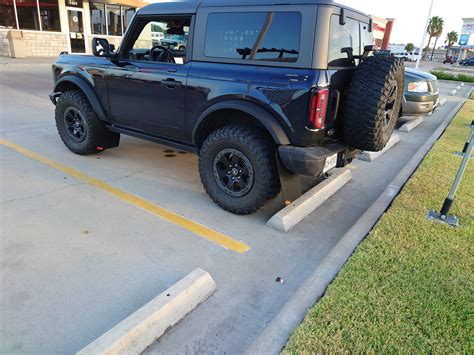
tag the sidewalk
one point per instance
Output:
(7, 61)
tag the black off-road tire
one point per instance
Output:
(96, 136)
(369, 95)
(259, 149)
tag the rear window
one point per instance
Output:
(266, 36)
(353, 34)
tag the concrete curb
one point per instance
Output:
(412, 124)
(294, 213)
(139, 330)
(371, 156)
(275, 335)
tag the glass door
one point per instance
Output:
(76, 30)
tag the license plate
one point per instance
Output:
(330, 163)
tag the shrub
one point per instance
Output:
(441, 75)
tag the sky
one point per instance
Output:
(410, 16)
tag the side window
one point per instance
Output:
(340, 37)
(162, 40)
(366, 37)
(266, 36)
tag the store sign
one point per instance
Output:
(74, 3)
(467, 27)
(463, 39)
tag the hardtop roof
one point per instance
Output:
(191, 6)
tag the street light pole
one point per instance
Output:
(424, 35)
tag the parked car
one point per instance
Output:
(259, 90)
(175, 42)
(402, 56)
(450, 59)
(467, 62)
(157, 37)
(421, 93)
(413, 56)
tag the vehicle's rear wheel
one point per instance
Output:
(238, 168)
(79, 128)
(373, 102)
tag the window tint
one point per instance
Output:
(343, 36)
(114, 20)
(172, 34)
(366, 37)
(268, 36)
(97, 18)
(7, 14)
(27, 15)
(127, 13)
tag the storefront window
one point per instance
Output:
(98, 19)
(49, 12)
(7, 14)
(27, 11)
(127, 14)
(114, 20)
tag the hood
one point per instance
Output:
(418, 75)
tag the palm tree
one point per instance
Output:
(438, 31)
(432, 30)
(452, 37)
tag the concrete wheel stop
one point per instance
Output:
(296, 211)
(371, 156)
(139, 330)
(411, 124)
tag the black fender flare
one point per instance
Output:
(87, 90)
(264, 117)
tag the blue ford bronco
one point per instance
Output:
(258, 89)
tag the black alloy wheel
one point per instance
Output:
(390, 104)
(75, 124)
(233, 172)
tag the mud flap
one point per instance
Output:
(290, 183)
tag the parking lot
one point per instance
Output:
(86, 240)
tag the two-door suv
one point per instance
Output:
(253, 87)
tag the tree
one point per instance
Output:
(409, 47)
(433, 30)
(437, 33)
(452, 37)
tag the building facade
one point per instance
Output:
(47, 27)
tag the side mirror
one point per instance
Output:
(101, 47)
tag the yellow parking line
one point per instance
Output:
(204, 232)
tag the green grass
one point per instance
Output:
(409, 286)
(442, 75)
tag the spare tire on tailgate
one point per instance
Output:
(373, 102)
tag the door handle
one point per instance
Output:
(171, 83)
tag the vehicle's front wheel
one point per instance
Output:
(238, 168)
(79, 128)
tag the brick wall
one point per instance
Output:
(37, 44)
(44, 44)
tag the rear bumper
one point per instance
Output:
(314, 161)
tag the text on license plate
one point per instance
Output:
(330, 163)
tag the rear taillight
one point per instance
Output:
(319, 104)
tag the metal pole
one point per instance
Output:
(467, 153)
(424, 35)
